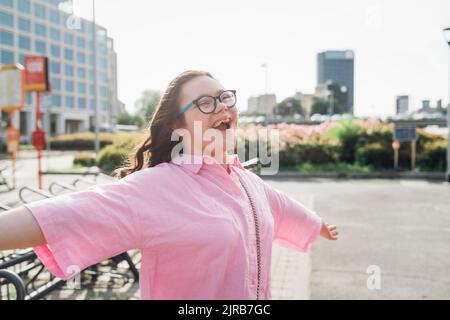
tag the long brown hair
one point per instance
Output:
(157, 146)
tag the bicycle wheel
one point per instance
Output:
(11, 286)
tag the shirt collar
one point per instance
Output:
(194, 162)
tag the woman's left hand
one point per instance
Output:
(329, 232)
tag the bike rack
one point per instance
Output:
(39, 192)
(62, 186)
(83, 180)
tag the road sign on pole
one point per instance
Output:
(36, 74)
(36, 80)
(405, 134)
(12, 81)
(12, 98)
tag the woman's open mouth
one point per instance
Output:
(222, 125)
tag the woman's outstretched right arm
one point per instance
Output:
(19, 230)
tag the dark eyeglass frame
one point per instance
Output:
(196, 101)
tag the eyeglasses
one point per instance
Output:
(208, 104)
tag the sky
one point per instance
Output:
(399, 46)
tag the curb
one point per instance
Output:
(434, 176)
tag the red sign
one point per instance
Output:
(38, 138)
(395, 145)
(36, 73)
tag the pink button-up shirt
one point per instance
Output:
(193, 223)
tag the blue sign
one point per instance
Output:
(405, 133)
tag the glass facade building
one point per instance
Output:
(338, 66)
(41, 27)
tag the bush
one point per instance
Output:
(84, 159)
(348, 133)
(375, 155)
(115, 155)
(314, 153)
(111, 158)
(79, 141)
(433, 156)
(318, 153)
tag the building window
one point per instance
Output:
(56, 100)
(40, 29)
(55, 51)
(54, 16)
(6, 38)
(103, 64)
(39, 11)
(69, 86)
(6, 57)
(81, 103)
(68, 54)
(24, 6)
(81, 88)
(54, 34)
(22, 59)
(55, 67)
(102, 77)
(92, 104)
(24, 25)
(6, 19)
(6, 3)
(40, 47)
(103, 91)
(68, 38)
(70, 102)
(91, 60)
(104, 105)
(55, 84)
(81, 73)
(81, 58)
(68, 70)
(24, 43)
(81, 43)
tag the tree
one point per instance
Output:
(147, 103)
(126, 118)
(289, 107)
(320, 106)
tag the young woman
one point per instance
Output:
(204, 224)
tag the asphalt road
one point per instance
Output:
(394, 238)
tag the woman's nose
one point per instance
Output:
(220, 106)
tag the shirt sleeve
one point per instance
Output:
(85, 228)
(296, 226)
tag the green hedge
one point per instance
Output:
(84, 160)
(375, 155)
(313, 153)
(79, 141)
(111, 158)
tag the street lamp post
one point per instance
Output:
(330, 98)
(94, 35)
(447, 176)
(266, 68)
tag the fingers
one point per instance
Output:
(333, 233)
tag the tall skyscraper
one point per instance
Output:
(42, 27)
(338, 67)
